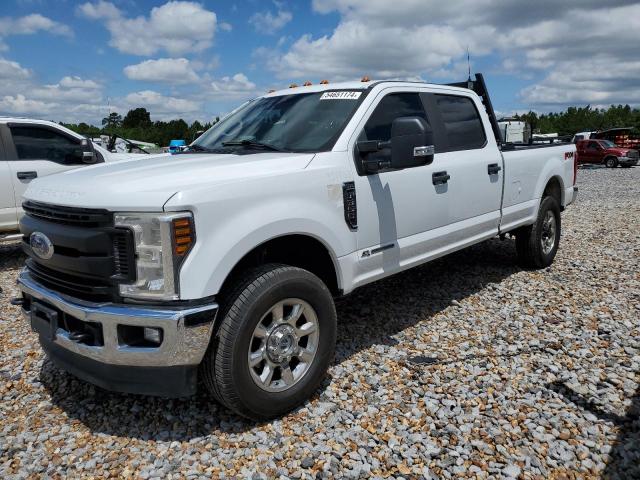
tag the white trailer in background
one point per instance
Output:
(514, 131)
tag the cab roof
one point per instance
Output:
(358, 85)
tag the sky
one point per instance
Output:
(76, 61)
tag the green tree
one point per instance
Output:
(112, 122)
(137, 118)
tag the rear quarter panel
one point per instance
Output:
(527, 173)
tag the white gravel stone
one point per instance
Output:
(535, 375)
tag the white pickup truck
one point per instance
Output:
(223, 262)
(35, 148)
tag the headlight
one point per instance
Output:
(161, 242)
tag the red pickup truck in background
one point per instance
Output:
(596, 151)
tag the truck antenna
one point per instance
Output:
(469, 81)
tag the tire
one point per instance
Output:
(533, 243)
(611, 162)
(248, 326)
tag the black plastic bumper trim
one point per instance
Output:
(171, 382)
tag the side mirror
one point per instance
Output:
(87, 152)
(411, 143)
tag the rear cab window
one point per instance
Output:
(462, 126)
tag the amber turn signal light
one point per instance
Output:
(183, 235)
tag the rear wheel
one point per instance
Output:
(537, 244)
(611, 162)
(274, 344)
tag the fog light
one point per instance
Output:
(153, 335)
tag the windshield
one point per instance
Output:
(608, 143)
(305, 122)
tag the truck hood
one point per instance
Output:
(147, 183)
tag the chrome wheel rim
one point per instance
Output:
(283, 345)
(548, 239)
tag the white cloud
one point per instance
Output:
(236, 86)
(157, 103)
(31, 24)
(72, 99)
(267, 22)
(428, 38)
(20, 105)
(167, 70)
(69, 89)
(10, 70)
(100, 10)
(176, 27)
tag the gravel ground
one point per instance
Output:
(466, 367)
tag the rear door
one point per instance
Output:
(8, 219)
(37, 151)
(470, 157)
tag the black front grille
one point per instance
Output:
(91, 256)
(87, 217)
(80, 287)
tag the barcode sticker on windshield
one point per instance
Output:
(343, 95)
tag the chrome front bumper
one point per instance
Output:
(186, 330)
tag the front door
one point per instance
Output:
(395, 207)
(592, 153)
(38, 152)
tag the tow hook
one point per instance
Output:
(17, 302)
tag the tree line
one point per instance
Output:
(137, 125)
(584, 119)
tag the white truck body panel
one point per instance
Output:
(239, 202)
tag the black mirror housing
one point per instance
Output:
(411, 142)
(87, 152)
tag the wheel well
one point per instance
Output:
(553, 189)
(298, 250)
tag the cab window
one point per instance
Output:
(392, 106)
(44, 144)
(462, 123)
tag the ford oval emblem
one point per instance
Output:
(41, 245)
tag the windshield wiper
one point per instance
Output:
(194, 147)
(251, 143)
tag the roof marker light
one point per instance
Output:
(272, 90)
(293, 85)
(324, 82)
(307, 84)
(365, 79)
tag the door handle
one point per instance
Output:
(493, 169)
(440, 178)
(27, 175)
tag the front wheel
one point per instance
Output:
(537, 244)
(275, 342)
(611, 162)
